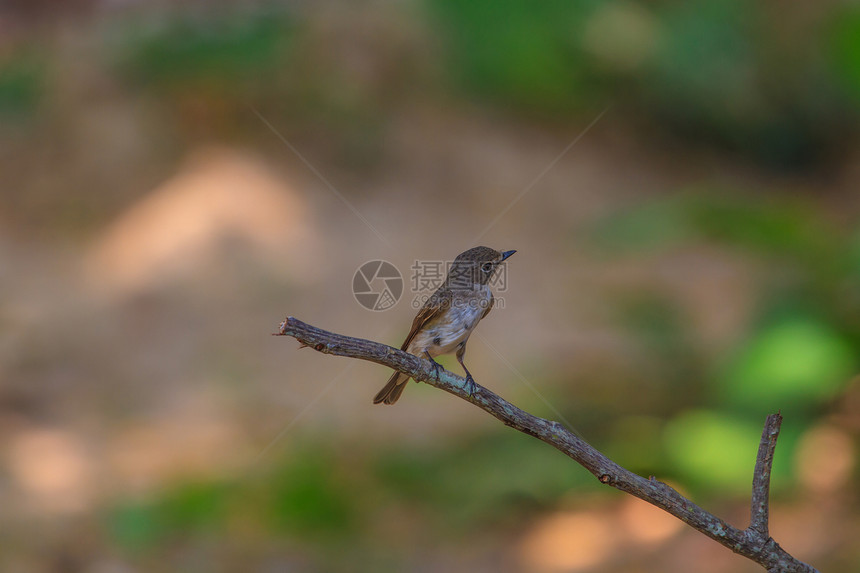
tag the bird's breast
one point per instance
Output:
(454, 325)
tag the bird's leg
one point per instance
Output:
(470, 386)
(436, 365)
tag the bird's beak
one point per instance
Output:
(507, 254)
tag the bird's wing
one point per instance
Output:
(434, 306)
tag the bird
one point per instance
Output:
(447, 319)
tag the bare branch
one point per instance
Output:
(753, 542)
(761, 475)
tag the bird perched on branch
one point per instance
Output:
(449, 316)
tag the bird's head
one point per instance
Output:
(476, 266)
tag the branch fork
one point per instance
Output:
(754, 542)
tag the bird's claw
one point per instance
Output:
(436, 366)
(437, 369)
(470, 387)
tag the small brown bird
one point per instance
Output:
(449, 316)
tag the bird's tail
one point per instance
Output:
(393, 389)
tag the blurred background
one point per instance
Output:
(680, 180)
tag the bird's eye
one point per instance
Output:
(487, 267)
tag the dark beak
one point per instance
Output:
(507, 254)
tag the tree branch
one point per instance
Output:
(753, 542)
(761, 475)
